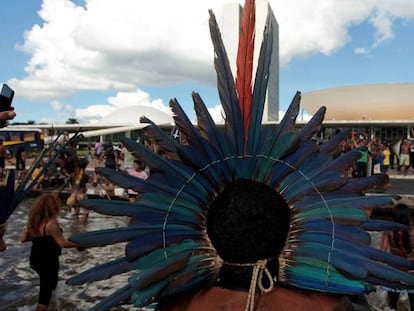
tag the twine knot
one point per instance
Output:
(259, 267)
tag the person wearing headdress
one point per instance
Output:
(243, 216)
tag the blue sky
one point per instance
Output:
(83, 59)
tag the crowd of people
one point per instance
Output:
(380, 156)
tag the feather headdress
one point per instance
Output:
(168, 250)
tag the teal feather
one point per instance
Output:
(357, 185)
(165, 201)
(351, 258)
(101, 272)
(260, 88)
(381, 225)
(165, 141)
(390, 274)
(188, 281)
(160, 255)
(214, 135)
(394, 286)
(349, 215)
(199, 271)
(234, 126)
(154, 184)
(291, 162)
(340, 164)
(159, 270)
(210, 169)
(150, 294)
(113, 300)
(311, 163)
(344, 261)
(159, 163)
(311, 273)
(388, 258)
(117, 235)
(354, 202)
(353, 234)
(150, 241)
(201, 151)
(313, 126)
(286, 125)
(325, 182)
(332, 146)
(137, 210)
(286, 144)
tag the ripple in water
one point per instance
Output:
(19, 284)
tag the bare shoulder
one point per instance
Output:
(216, 298)
(52, 226)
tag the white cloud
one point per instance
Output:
(361, 50)
(217, 113)
(124, 44)
(94, 113)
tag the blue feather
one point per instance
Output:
(159, 163)
(234, 126)
(349, 201)
(348, 215)
(159, 270)
(318, 184)
(286, 125)
(358, 185)
(113, 300)
(151, 241)
(314, 161)
(260, 88)
(200, 271)
(117, 235)
(101, 272)
(286, 144)
(332, 145)
(166, 142)
(313, 126)
(150, 294)
(381, 225)
(350, 233)
(291, 161)
(159, 255)
(312, 273)
(215, 136)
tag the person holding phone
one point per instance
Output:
(6, 113)
(6, 110)
(6, 116)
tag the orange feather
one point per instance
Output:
(245, 62)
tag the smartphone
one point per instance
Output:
(6, 97)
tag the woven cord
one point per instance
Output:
(257, 280)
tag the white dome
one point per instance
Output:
(130, 116)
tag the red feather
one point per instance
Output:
(245, 63)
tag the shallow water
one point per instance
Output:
(19, 283)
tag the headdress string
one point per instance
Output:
(259, 267)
